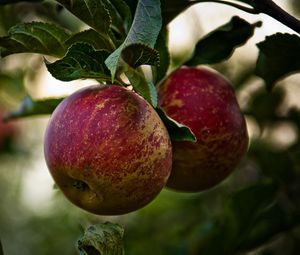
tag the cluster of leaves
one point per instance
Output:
(125, 35)
(116, 43)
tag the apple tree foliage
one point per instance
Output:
(121, 36)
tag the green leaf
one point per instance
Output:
(125, 13)
(160, 70)
(102, 239)
(177, 131)
(140, 54)
(142, 35)
(271, 222)
(146, 24)
(92, 12)
(35, 37)
(91, 37)
(116, 19)
(144, 30)
(139, 83)
(264, 105)
(220, 44)
(279, 56)
(101, 15)
(30, 107)
(81, 61)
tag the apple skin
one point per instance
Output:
(203, 100)
(108, 150)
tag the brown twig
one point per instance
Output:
(262, 6)
(273, 10)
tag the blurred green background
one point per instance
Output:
(254, 211)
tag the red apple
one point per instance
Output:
(108, 150)
(203, 100)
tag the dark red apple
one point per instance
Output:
(203, 100)
(108, 150)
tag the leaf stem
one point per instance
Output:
(111, 42)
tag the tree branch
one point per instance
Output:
(273, 10)
(262, 6)
(238, 6)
